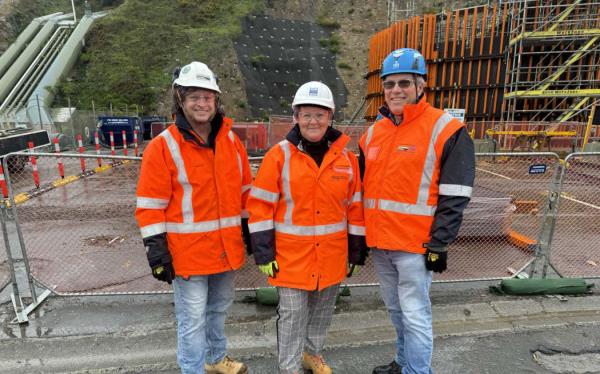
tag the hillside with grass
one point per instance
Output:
(130, 54)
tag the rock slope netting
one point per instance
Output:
(276, 56)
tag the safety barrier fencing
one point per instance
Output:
(575, 247)
(77, 235)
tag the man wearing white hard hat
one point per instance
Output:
(191, 195)
(306, 226)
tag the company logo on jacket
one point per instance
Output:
(408, 148)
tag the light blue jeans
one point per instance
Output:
(201, 305)
(404, 283)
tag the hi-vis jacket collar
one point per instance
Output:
(186, 129)
(410, 111)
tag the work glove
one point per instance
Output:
(357, 249)
(353, 269)
(436, 258)
(269, 269)
(159, 258)
(246, 236)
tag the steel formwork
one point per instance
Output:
(464, 50)
(513, 61)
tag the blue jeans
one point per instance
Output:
(201, 305)
(404, 283)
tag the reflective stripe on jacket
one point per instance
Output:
(301, 214)
(402, 177)
(196, 195)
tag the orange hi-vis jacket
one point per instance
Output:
(307, 217)
(401, 183)
(195, 195)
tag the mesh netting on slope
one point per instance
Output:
(276, 56)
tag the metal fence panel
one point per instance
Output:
(81, 236)
(4, 266)
(502, 222)
(79, 232)
(575, 249)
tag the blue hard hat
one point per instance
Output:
(404, 60)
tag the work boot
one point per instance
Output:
(315, 363)
(226, 366)
(391, 368)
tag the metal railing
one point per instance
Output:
(78, 234)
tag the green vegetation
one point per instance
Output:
(334, 43)
(131, 53)
(326, 21)
(256, 60)
(343, 65)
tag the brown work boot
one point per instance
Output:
(315, 363)
(226, 366)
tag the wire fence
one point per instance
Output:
(81, 237)
(575, 243)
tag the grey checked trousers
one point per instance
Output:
(303, 320)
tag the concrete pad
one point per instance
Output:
(466, 312)
(573, 304)
(521, 308)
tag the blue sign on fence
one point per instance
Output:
(537, 169)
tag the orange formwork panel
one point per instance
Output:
(464, 53)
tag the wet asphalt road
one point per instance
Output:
(574, 349)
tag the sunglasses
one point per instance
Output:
(405, 83)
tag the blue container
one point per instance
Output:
(106, 124)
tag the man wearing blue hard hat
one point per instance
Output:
(418, 168)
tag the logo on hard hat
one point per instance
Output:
(313, 91)
(186, 69)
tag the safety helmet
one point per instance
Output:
(197, 74)
(314, 93)
(404, 60)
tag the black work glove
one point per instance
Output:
(159, 258)
(246, 236)
(436, 258)
(357, 249)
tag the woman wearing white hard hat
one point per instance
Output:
(306, 226)
(193, 185)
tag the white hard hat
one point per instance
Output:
(197, 74)
(314, 93)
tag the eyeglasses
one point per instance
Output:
(317, 117)
(404, 83)
(200, 98)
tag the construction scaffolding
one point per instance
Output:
(553, 58)
(524, 72)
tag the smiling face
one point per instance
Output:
(199, 106)
(399, 90)
(313, 122)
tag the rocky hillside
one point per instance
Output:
(130, 54)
